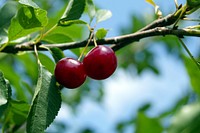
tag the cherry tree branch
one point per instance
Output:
(117, 42)
(156, 28)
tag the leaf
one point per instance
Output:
(57, 54)
(144, 107)
(186, 120)
(47, 62)
(73, 11)
(46, 102)
(194, 74)
(74, 31)
(193, 3)
(15, 115)
(90, 9)
(101, 33)
(10, 8)
(18, 111)
(71, 22)
(27, 20)
(144, 124)
(151, 2)
(29, 3)
(3, 40)
(14, 78)
(57, 38)
(5, 93)
(157, 11)
(5, 90)
(103, 15)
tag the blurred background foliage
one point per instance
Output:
(21, 71)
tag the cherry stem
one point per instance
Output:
(95, 43)
(90, 37)
(36, 53)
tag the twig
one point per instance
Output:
(189, 53)
(162, 22)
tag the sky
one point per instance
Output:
(124, 93)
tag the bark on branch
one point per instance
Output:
(117, 42)
(156, 28)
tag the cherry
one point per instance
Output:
(100, 62)
(70, 73)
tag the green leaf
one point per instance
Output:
(3, 109)
(57, 54)
(144, 107)
(73, 11)
(47, 62)
(101, 33)
(103, 15)
(71, 22)
(57, 38)
(193, 3)
(76, 32)
(5, 93)
(194, 74)
(5, 90)
(90, 9)
(27, 20)
(19, 111)
(77, 51)
(144, 124)
(3, 40)
(16, 115)
(46, 102)
(10, 8)
(14, 78)
(186, 120)
(29, 3)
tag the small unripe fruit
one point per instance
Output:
(70, 73)
(100, 62)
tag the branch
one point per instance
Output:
(156, 28)
(162, 22)
(159, 31)
(118, 42)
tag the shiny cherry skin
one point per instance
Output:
(100, 62)
(70, 73)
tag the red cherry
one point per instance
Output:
(100, 62)
(70, 73)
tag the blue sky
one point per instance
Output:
(124, 93)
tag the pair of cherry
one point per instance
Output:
(99, 64)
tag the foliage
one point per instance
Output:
(30, 97)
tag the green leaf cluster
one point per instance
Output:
(29, 18)
(40, 85)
